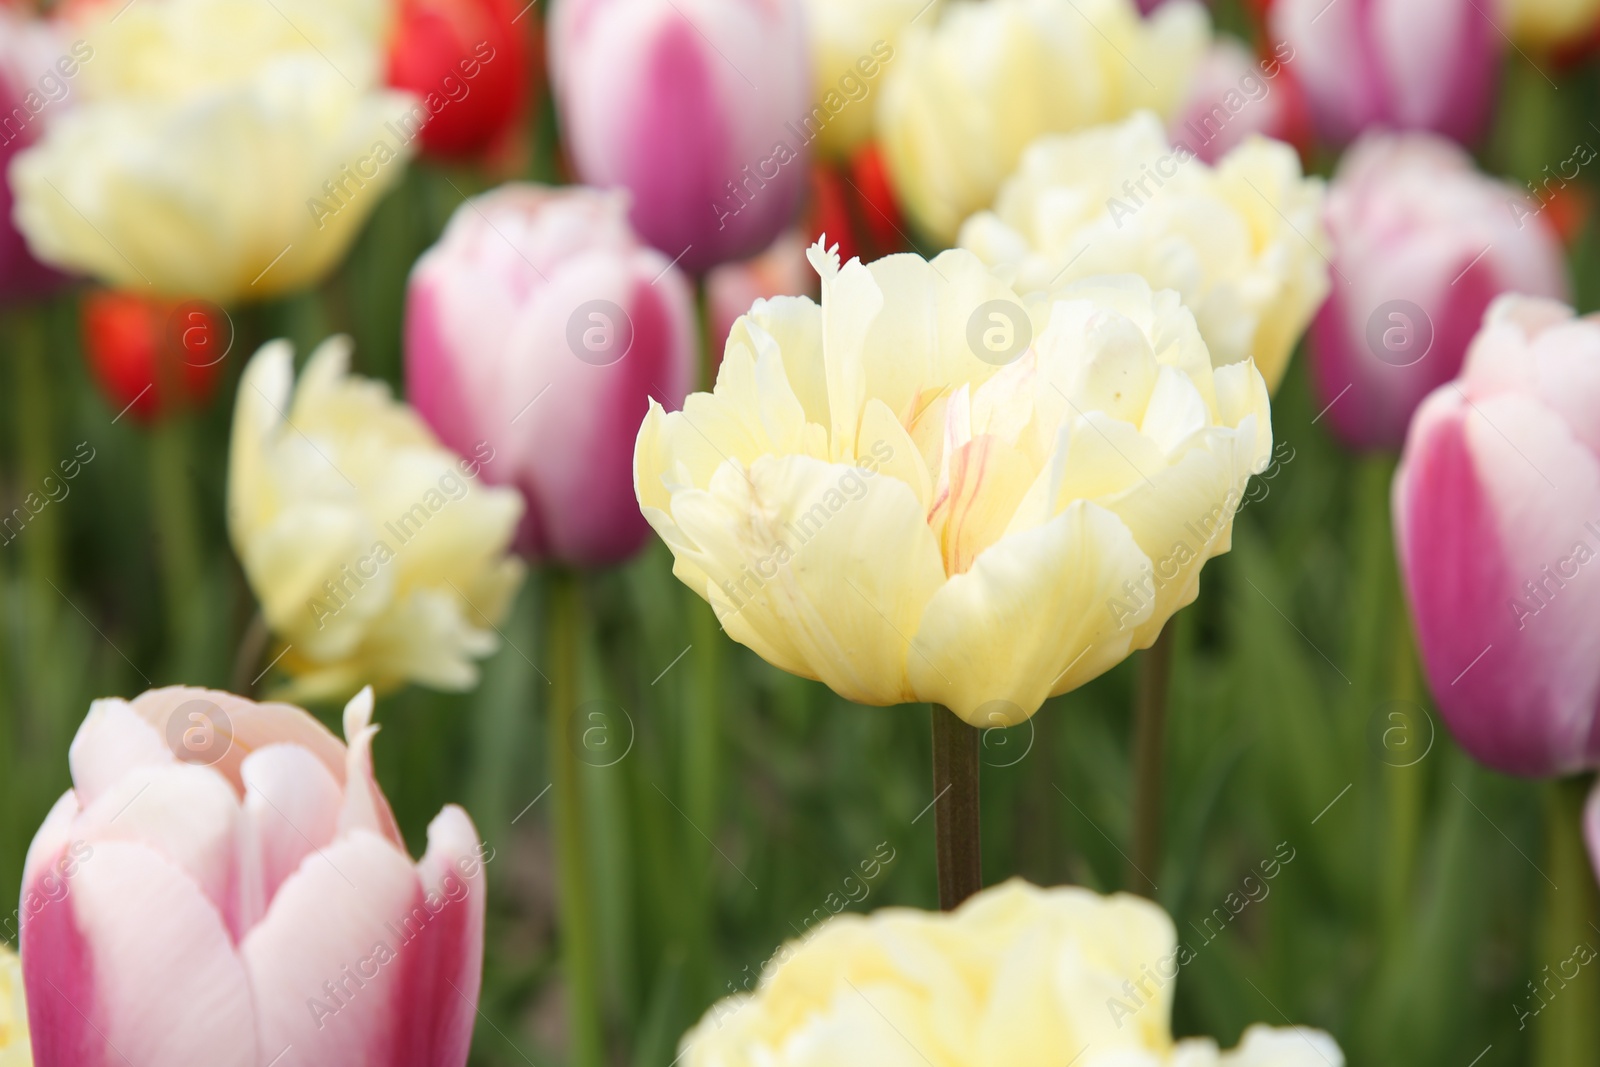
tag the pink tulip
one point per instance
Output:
(1422, 243)
(1497, 519)
(540, 327)
(700, 108)
(1234, 95)
(224, 882)
(781, 270)
(1408, 64)
(39, 70)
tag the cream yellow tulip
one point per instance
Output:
(377, 555)
(853, 42)
(1242, 243)
(964, 97)
(929, 488)
(1552, 23)
(15, 1048)
(1017, 976)
(224, 149)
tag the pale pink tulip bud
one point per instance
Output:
(1407, 64)
(1422, 242)
(1497, 520)
(225, 882)
(537, 330)
(701, 109)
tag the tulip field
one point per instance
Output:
(799, 533)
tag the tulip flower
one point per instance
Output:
(537, 327)
(781, 270)
(38, 67)
(1422, 243)
(469, 62)
(1497, 521)
(1235, 95)
(152, 357)
(1242, 244)
(1014, 976)
(16, 1050)
(852, 42)
(225, 881)
(1546, 24)
(223, 149)
(701, 110)
(377, 555)
(1406, 64)
(877, 494)
(965, 96)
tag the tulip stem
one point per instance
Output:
(1565, 982)
(580, 952)
(955, 807)
(1149, 760)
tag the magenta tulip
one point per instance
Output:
(1497, 519)
(539, 327)
(35, 87)
(1422, 243)
(225, 882)
(1406, 64)
(699, 108)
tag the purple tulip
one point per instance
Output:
(699, 108)
(537, 329)
(1408, 64)
(1497, 520)
(1422, 243)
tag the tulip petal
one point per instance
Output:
(136, 966)
(291, 809)
(112, 741)
(1034, 616)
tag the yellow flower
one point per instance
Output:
(377, 555)
(1551, 23)
(931, 489)
(962, 99)
(852, 44)
(224, 149)
(15, 1047)
(1242, 243)
(1017, 976)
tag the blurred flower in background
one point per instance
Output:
(377, 555)
(16, 1050)
(1408, 64)
(225, 879)
(1497, 521)
(1422, 242)
(1553, 23)
(702, 110)
(1013, 976)
(852, 43)
(898, 519)
(153, 357)
(1233, 95)
(539, 326)
(38, 62)
(854, 205)
(223, 149)
(731, 289)
(469, 62)
(1242, 244)
(964, 97)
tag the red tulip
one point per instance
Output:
(469, 61)
(154, 356)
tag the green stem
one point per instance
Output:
(177, 536)
(701, 756)
(1149, 760)
(580, 951)
(955, 809)
(1566, 1029)
(40, 539)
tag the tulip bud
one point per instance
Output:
(1235, 95)
(1407, 64)
(1497, 523)
(32, 93)
(468, 61)
(540, 325)
(1422, 243)
(152, 357)
(701, 109)
(225, 880)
